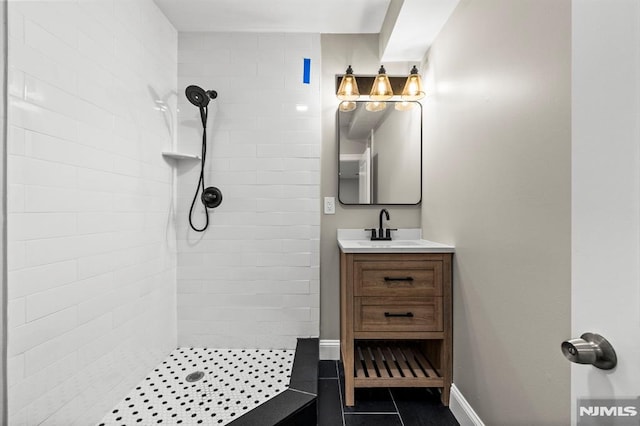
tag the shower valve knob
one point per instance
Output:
(212, 197)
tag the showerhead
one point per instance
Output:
(198, 96)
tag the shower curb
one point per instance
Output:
(296, 405)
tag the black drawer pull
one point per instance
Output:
(407, 315)
(398, 279)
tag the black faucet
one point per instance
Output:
(381, 234)
(380, 229)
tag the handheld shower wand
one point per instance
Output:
(211, 197)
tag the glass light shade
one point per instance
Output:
(346, 106)
(404, 105)
(413, 87)
(375, 106)
(381, 88)
(348, 90)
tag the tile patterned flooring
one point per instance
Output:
(377, 406)
(234, 382)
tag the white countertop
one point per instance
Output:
(404, 241)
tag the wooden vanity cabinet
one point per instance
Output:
(395, 321)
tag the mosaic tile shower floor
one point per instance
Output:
(235, 381)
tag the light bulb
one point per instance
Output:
(375, 106)
(381, 89)
(348, 90)
(346, 106)
(413, 87)
(404, 105)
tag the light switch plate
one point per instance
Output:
(329, 205)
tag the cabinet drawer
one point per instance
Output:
(397, 314)
(411, 278)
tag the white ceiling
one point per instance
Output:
(416, 23)
(309, 16)
(415, 29)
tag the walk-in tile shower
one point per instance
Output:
(105, 276)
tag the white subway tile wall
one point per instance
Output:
(92, 253)
(250, 280)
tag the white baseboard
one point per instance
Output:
(462, 411)
(330, 349)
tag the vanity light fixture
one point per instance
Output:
(404, 105)
(413, 87)
(348, 90)
(381, 88)
(346, 106)
(375, 106)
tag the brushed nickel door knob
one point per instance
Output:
(590, 348)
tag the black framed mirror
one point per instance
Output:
(379, 153)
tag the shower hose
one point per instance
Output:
(204, 112)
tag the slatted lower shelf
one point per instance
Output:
(393, 364)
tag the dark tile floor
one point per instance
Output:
(378, 406)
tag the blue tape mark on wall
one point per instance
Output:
(306, 73)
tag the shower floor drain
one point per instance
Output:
(195, 376)
(228, 383)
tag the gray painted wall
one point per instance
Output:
(497, 184)
(338, 51)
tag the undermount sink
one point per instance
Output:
(405, 241)
(392, 243)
